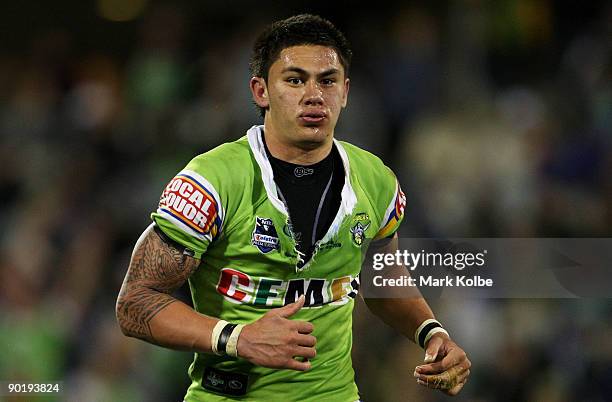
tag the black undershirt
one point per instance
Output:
(302, 189)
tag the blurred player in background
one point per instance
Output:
(269, 231)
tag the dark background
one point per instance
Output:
(496, 117)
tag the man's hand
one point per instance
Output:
(447, 367)
(274, 340)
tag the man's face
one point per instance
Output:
(305, 92)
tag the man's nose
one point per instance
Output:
(313, 94)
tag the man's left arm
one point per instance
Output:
(446, 365)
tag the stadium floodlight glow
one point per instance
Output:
(120, 10)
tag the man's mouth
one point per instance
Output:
(312, 117)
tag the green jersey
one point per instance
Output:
(224, 206)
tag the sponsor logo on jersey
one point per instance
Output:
(186, 199)
(234, 384)
(330, 244)
(264, 235)
(214, 379)
(301, 171)
(288, 230)
(239, 287)
(361, 223)
(396, 214)
(225, 382)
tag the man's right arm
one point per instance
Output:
(147, 310)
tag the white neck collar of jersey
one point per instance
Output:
(348, 197)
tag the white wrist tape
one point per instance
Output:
(420, 328)
(214, 338)
(426, 330)
(232, 343)
(434, 331)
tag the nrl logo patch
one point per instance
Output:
(361, 223)
(264, 235)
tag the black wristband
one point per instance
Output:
(425, 331)
(224, 337)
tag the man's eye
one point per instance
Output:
(294, 81)
(327, 81)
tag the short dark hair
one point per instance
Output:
(303, 29)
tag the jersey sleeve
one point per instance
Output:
(394, 214)
(190, 211)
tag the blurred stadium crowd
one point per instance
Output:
(496, 116)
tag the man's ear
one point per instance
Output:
(346, 92)
(259, 89)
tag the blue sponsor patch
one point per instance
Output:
(264, 235)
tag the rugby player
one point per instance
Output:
(269, 231)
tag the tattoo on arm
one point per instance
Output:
(156, 270)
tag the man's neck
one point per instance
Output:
(306, 154)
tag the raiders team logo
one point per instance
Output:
(264, 235)
(361, 223)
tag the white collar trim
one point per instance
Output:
(348, 197)
(254, 135)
